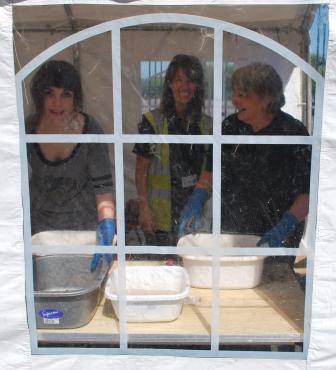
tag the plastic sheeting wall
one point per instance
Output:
(96, 68)
(14, 338)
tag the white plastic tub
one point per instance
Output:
(153, 293)
(236, 272)
(65, 237)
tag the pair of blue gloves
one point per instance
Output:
(190, 220)
(191, 215)
(105, 233)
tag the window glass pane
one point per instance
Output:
(173, 69)
(70, 306)
(160, 187)
(71, 188)
(297, 88)
(265, 309)
(82, 71)
(175, 315)
(260, 185)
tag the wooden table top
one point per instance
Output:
(273, 312)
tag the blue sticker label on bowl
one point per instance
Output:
(50, 313)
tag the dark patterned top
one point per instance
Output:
(261, 181)
(63, 193)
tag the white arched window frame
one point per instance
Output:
(118, 139)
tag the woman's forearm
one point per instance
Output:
(105, 206)
(300, 206)
(205, 181)
(141, 170)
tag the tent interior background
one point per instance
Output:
(153, 46)
(38, 27)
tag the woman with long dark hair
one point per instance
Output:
(167, 175)
(70, 183)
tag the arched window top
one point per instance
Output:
(158, 18)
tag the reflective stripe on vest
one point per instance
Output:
(159, 184)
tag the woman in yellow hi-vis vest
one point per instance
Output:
(174, 180)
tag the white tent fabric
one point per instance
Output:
(15, 350)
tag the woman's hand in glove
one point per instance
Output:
(105, 234)
(277, 236)
(191, 214)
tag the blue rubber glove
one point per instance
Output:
(105, 234)
(277, 236)
(191, 214)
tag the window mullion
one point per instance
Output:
(217, 118)
(119, 183)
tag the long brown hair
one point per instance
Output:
(192, 67)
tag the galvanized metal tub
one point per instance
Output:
(66, 292)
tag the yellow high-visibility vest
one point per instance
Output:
(158, 177)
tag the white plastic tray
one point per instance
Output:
(153, 293)
(236, 272)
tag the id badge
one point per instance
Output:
(188, 181)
